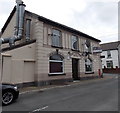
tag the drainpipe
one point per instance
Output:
(17, 16)
(20, 9)
(28, 24)
(21, 20)
(20, 27)
(4, 40)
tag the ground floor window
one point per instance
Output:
(56, 64)
(88, 65)
(109, 64)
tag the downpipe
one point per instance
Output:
(19, 25)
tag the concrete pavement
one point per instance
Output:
(34, 88)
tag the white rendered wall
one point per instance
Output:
(114, 58)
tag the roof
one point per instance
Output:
(18, 45)
(48, 21)
(110, 46)
(8, 20)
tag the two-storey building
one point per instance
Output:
(112, 55)
(36, 50)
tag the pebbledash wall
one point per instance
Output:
(29, 63)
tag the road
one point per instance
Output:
(99, 95)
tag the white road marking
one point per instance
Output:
(39, 109)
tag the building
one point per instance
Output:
(36, 50)
(119, 54)
(112, 55)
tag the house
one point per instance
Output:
(119, 54)
(39, 51)
(112, 55)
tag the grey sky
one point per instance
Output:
(98, 19)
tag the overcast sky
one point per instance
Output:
(98, 18)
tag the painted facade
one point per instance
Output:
(112, 55)
(54, 52)
(113, 59)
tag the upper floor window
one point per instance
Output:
(87, 46)
(108, 54)
(56, 38)
(74, 43)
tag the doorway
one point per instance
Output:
(75, 69)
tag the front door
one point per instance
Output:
(75, 69)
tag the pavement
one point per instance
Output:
(47, 87)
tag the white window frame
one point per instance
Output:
(72, 38)
(109, 61)
(91, 66)
(62, 66)
(58, 35)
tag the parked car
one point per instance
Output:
(10, 93)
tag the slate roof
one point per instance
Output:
(48, 21)
(110, 46)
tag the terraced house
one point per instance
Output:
(36, 50)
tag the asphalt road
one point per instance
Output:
(99, 95)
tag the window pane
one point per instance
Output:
(88, 65)
(56, 67)
(56, 32)
(53, 40)
(109, 64)
(74, 41)
(88, 45)
(56, 57)
(108, 54)
(56, 38)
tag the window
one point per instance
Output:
(109, 64)
(108, 54)
(88, 65)
(56, 38)
(87, 46)
(74, 41)
(56, 64)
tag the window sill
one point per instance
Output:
(57, 47)
(56, 74)
(89, 72)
